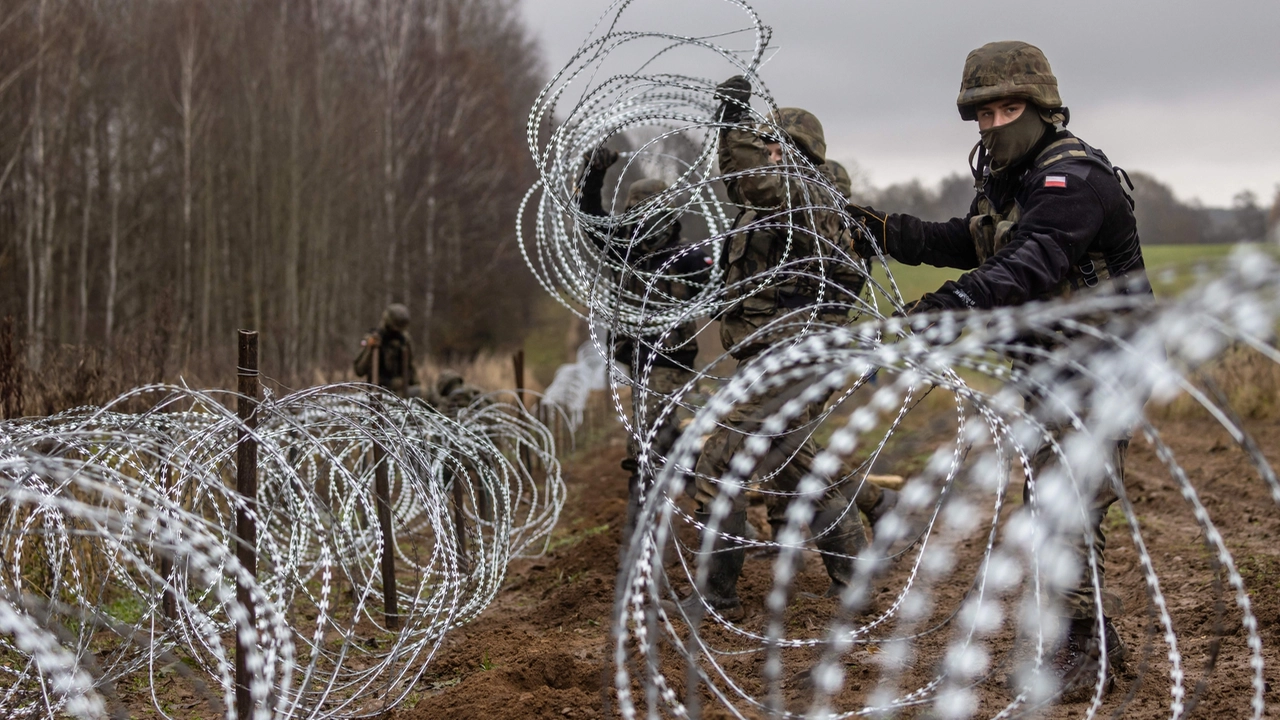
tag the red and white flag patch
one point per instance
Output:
(1055, 181)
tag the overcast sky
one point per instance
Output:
(1187, 91)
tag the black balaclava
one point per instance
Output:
(1007, 144)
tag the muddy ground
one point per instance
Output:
(542, 650)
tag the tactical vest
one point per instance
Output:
(393, 359)
(991, 227)
(758, 248)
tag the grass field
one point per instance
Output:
(1172, 268)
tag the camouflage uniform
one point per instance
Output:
(395, 356)
(451, 393)
(782, 221)
(669, 359)
(1047, 222)
(449, 396)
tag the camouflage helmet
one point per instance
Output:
(447, 382)
(804, 130)
(840, 175)
(396, 317)
(642, 190)
(1007, 69)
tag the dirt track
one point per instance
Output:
(542, 650)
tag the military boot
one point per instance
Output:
(839, 536)
(633, 511)
(723, 568)
(1075, 665)
(887, 501)
(769, 552)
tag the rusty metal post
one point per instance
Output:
(517, 363)
(459, 514)
(382, 493)
(247, 487)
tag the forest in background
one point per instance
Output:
(171, 170)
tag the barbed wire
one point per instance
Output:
(119, 537)
(1051, 421)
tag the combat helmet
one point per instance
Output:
(840, 175)
(804, 130)
(447, 382)
(396, 317)
(642, 190)
(1007, 69)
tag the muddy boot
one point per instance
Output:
(1075, 665)
(724, 567)
(633, 511)
(839, 536)
(769, 552)
(887, 501)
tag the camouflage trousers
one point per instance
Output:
(660, 391)
(783, 466)
(647, 404)
(1079, 602)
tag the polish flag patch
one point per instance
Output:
(1055, 181)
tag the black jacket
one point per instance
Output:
(1073, 212)
(670, 257)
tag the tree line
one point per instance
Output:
(1163, 219)
(181, 168)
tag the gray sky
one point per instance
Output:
(1187, 91)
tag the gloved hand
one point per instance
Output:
(734, 95)
(599, 159)
(929, 302)
(869, 242)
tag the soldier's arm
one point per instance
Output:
(591, 189)
(1055, 231)
(912, 241)
(363, 361)
(742, 150)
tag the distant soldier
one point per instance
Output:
(1050, 219)
(395, 353)
(452, 393)
(661, 268)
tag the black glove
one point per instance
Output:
(598, 160)
(734, 95)
(929, 302)
(868, 240)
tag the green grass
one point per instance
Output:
(572, 538)
(1172, 269)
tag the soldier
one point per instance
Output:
(395, 353)
(1050, 218)
(778, 258)
(452, 393)
(661, 267)
(849, 279)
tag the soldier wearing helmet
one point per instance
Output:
(778, 258)
(1051, 218)
(655, 267)
(395, 353)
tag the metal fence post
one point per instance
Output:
(382, 492)
(517, 363)
(247, 487)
